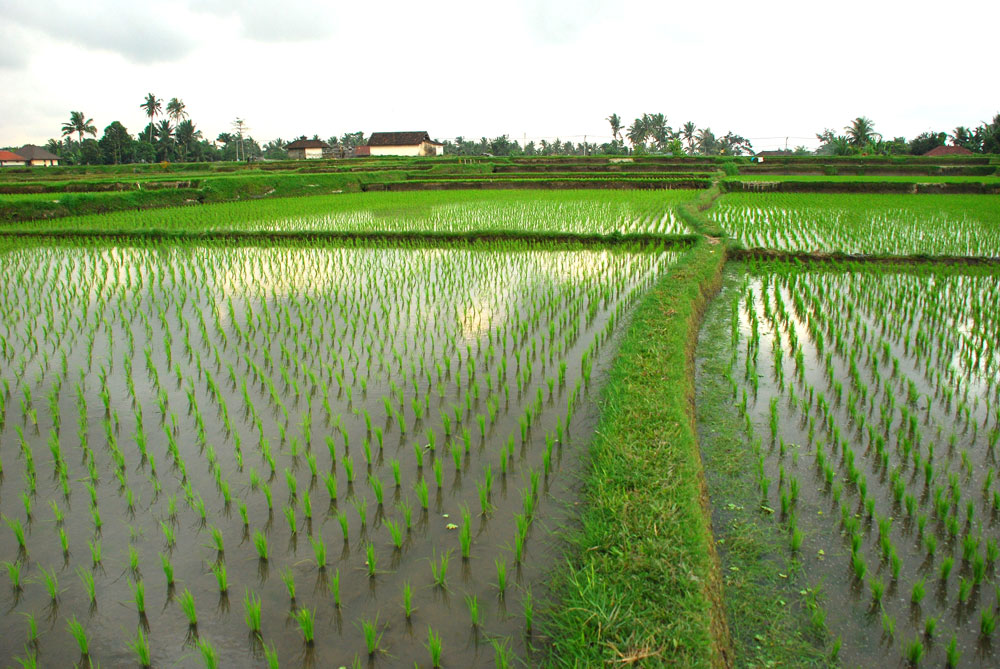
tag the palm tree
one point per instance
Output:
(657, 128)
(616, 125)
(688, 131)
(637, 132)
(185, 133)
(165, 137)
(861, 132)
(707, 144)
(176, 110)
(79, 124)
(153, 106)
(962, 136)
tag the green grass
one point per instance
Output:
(641, 579)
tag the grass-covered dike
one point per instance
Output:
(641, 582)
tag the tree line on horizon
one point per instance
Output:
(176, 138)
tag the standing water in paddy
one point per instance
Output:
(870, 398)
(315, 453)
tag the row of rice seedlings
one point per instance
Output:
(853, 398)
(456, 376)
(873, 224)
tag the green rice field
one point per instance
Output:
(466, 428)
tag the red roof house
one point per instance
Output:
(11, 159)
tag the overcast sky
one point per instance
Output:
(765, 70)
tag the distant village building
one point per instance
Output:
(11, 159)
(939, 151)
(37, 156)
(307, 149)
(417, 143)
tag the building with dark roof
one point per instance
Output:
(411, 143)
(37, 156)
(302, 149)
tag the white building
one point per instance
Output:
(417, 143)
(309, 149)
(11, 159)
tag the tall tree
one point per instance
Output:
(616, 126)
(153, 106)
(707, 144)
(657, 128)
(176, 110)
(184, 134)
(80, 124)
(116, 143)
(861, 132)
(164, 139)
(963, 137)
(638, 132)
(688, 131)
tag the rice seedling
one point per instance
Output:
(221, 578)
(434, 647)
(209, 656)
(372, 636)
(185, 600)
(371, 561)
(140, 649)
(439, 569)
(252, 611)
(306, 620)
(528, 610)
(288, 578)
(80, 634)
(952, 653)
(51, 582)
(475, 615)
(139, 597)
(14, 574)
(319, 551)
(407, 599)
(334, 587)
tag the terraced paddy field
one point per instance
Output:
(873, 225)
(462, 212)
(869, 397)
(343, 440)
(475, 428)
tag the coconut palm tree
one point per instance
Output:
(861, 132)
(638, 132)
(616, 126)
(185, 133)
(176, 110)
(707, 144)
(165, 138)
(688, 131)
(79, 124)
(153, 107)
